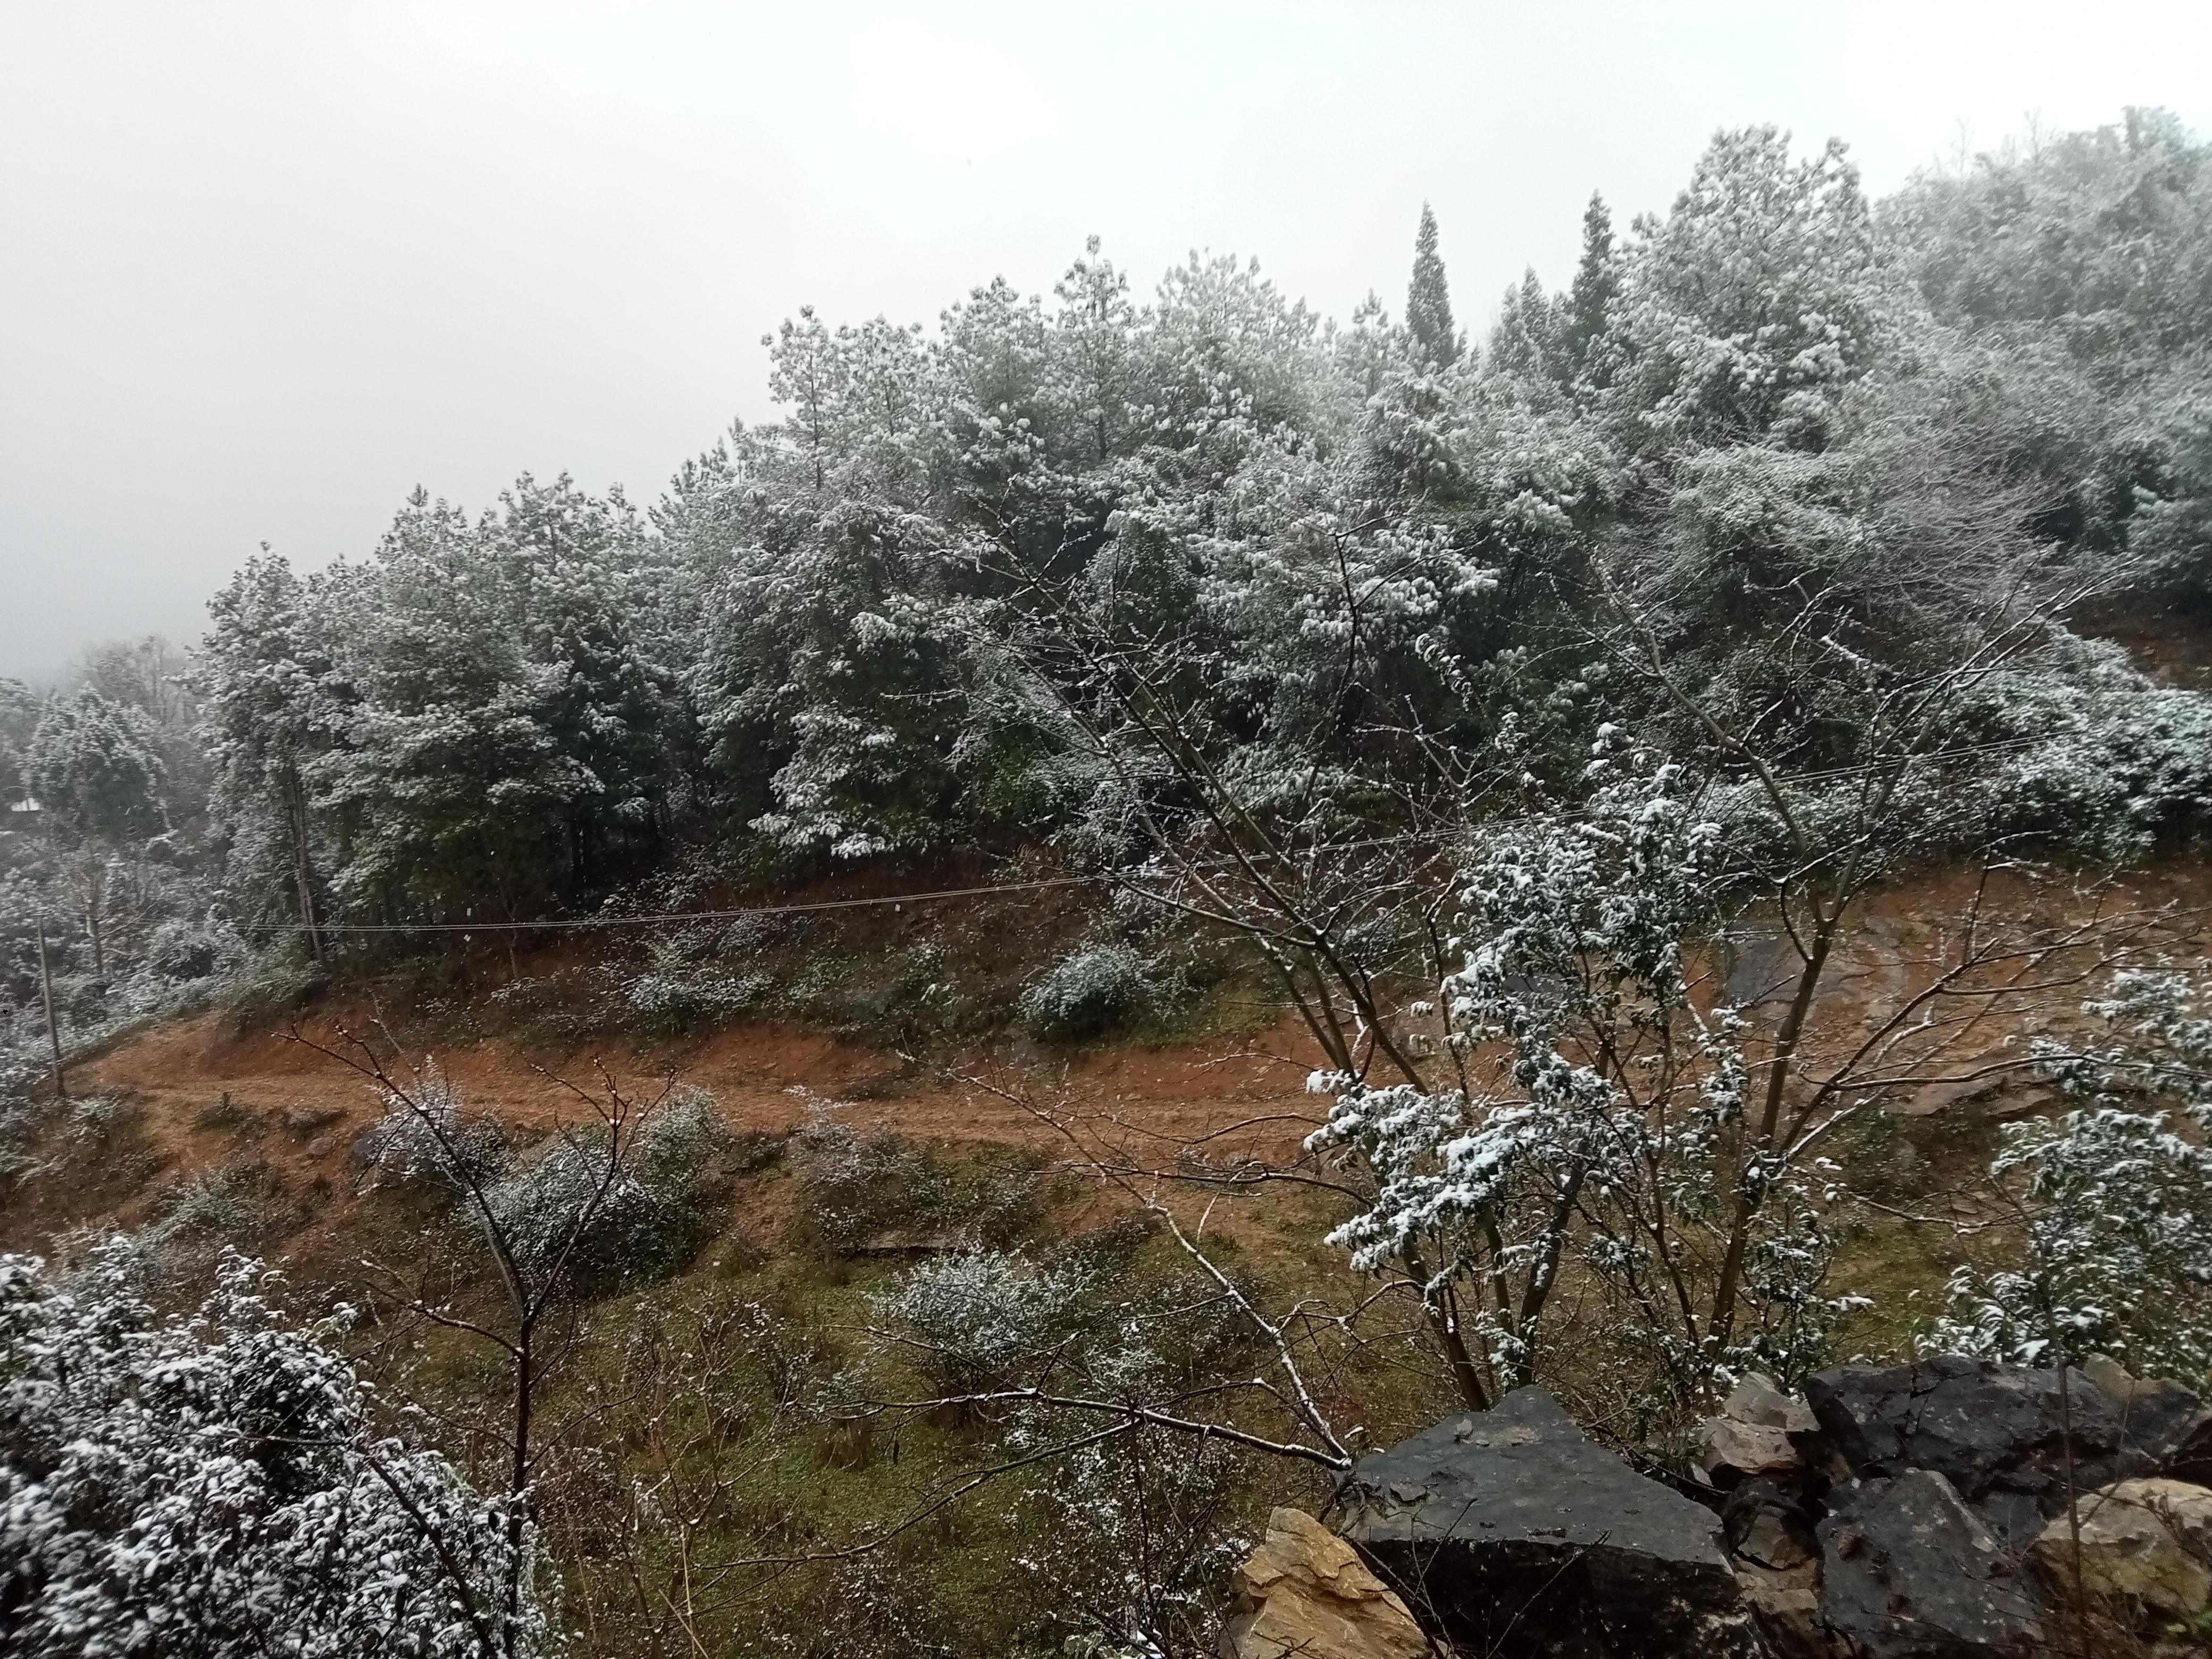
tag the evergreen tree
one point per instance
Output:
(94, 766)
(19, 718)
(270, 704)
(1597, 279)
(1525, 343)
(1428, 301)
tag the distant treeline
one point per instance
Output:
(1353, 569)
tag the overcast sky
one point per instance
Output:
(266, 268)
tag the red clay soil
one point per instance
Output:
(766, 1076)
(1242, 1094)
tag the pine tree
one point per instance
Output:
(1597, 279)
(1428, 301)
(269, 707)
(94, 766)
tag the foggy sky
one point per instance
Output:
(266, 268)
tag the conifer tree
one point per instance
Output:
(1597, 278)
(1428, 301)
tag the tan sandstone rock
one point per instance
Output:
(1305, 1594)
(1728, 1450)
(2186, 1509)
(1759, 1400)
(2129, 1554)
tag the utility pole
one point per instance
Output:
(53, 1029)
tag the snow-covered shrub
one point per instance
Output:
(230, 1202)
(429, 1136)
(857, 1185)
(27, 1106)
(677, 990)
(2114, 1200)
(2114, 761)
(1134, 1541)
(99, 1118)
(975, 1321)
(218, 1485)
(1087, 993)
(615, 1213)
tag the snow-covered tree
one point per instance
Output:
(1755, 301)
(603, 1196)
(504, 727)
(225, 1483)
(94, 766)
(2112, 1198)
(271, 703)
(1595, 1120)
(1587, 314)
(1428, 298)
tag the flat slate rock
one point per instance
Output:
(1518, 1537)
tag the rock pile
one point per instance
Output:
(1951, 1509)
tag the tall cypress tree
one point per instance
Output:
(1428, 302)
(1597, 278)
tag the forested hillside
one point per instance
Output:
(1541, 727)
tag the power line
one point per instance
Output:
(658, 918)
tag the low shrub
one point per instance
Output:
(859, 1186)
(657, 1211)
(979, 1320)
(1087, 993)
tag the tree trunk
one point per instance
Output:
(303, 875)
(517, 1483)
(1748, 1201)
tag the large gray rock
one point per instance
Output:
(1908, 1572)
(1517, 1537)
(2000, 1434)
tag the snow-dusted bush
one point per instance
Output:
(1135, 1539)
(218, 1485)
(858, 1184)
(614, 1211)
(1086, 992)
(677, 989)
(230, 1202)
(2113, 1198)
(428, 1135)
(975, 1321)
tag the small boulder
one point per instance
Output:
(1758, 1400)
(1763, 1524)
(2168, 1421)
(1908, 1572)
(2131, 1558)
(1730, 1451)
(1523, 1539)
(1777, 1557)
(1305, 1592)
(2186, 1509)
(1785, 1606)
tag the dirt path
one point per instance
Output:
(766, 1076)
